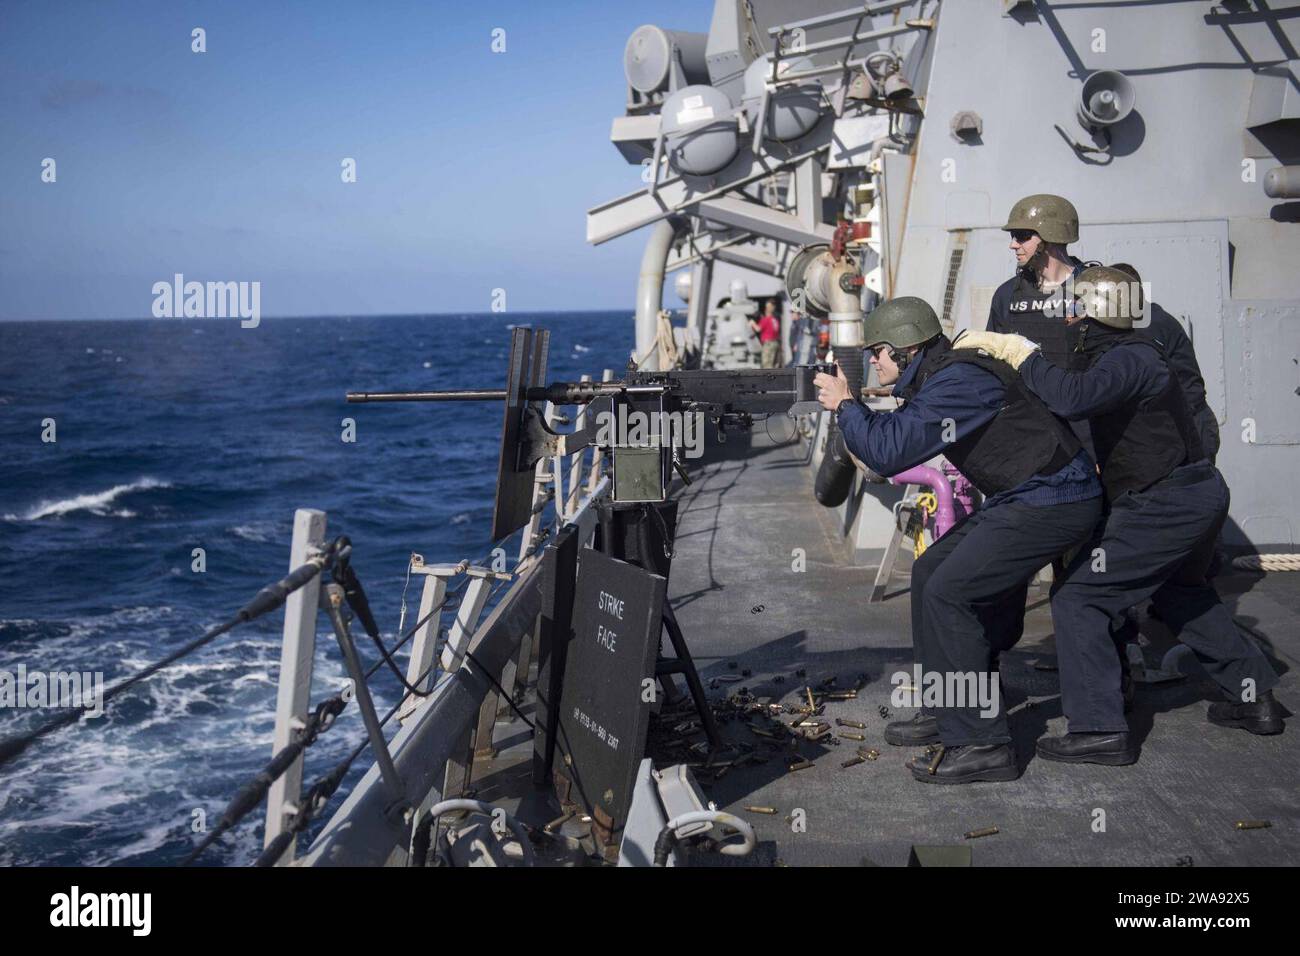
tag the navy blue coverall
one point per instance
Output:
(962, 616)
(1155, 543)
(1176, 349)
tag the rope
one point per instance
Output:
(668, 352)
(1267, 562)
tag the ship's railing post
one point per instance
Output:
(426, 638)
(293, 695)
(575, 463)
(460, 765)
(516, 672)
(471, 606)
(598, 453)
(477, 743)
(543, 477)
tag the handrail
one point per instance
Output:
(362, 832)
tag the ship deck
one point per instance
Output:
(743, 608)
(739, 602)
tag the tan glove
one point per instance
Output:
(1012, 349)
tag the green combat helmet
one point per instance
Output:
(900, 323)
(1052, 217)
(1107, 295)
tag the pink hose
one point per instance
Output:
(935, 480)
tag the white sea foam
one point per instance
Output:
(96, 625)
(96, 503)
(257, 531)
(133, 778)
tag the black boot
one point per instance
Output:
(1263, 716)
(1112, 749)
(922, 729)
(967, 764)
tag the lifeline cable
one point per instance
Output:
(318, 796)
(251, 794)
(268, 599)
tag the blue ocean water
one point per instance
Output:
(180, 434)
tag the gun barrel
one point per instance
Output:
(768, 390)
(456, 395)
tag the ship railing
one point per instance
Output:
(468, 675)
(848, 42)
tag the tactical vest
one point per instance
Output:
(1022, 440)
(1040, 317)
(1143, 442)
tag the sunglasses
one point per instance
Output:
(1022, 235)
(875, 350)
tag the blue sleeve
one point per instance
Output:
(1176, 349)
(1123, 375)
(1180, 357)
(952, 404)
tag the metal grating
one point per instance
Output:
(950, 289)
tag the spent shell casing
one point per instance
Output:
(800, 764)
(987, 831)
(854, 761)
(1253, 824)
(770, 811)
(840, 695)
(848, 736)
(558, 822)
(841, 722)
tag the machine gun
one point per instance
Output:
(642, 470)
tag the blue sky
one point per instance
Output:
(474, 168)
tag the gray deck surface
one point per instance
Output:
(739, 522)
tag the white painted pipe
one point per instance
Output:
(650, 291)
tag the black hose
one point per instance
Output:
(664, 846)
(835, 475)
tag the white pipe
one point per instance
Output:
(650, 290)
(478, 806)
(721, 817)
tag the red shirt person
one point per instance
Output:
(769, 335)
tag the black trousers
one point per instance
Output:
(1155, 544)
(968, 603)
